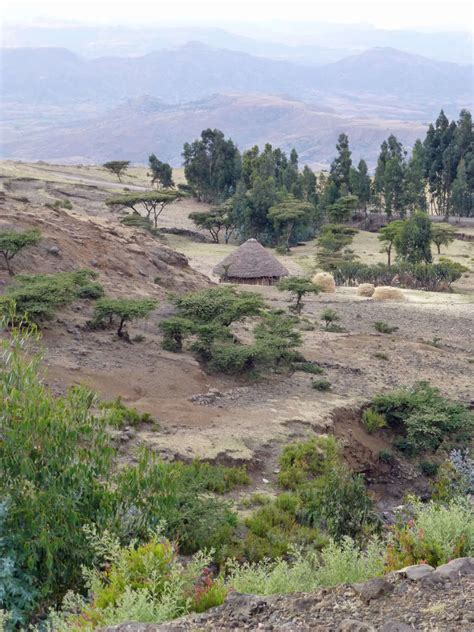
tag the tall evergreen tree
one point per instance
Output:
(415, 185)
(341, 166)
(360, 184)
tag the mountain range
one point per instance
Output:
(61, 106)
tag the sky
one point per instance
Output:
(382, 14)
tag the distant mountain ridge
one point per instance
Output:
(195, 71)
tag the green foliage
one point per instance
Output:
(11, 242)
(39, 296)
(117, 167)
(287, 215)
(152, 202)
(321, 385)
(428, 468)
(223, 305)
(442, 235)
(161, 172)
(413, 242)
(338, 502)
(331, 243)
(424, 419)
(106, 310)
(343, 209)
(384, 328)
(435, 277)
(212, 166)
(215, 220)
(380, 355)
(145, 583)
(308, 367)
(118, 415)
(298, 287)
(329, 316)
(90, 290)
(175, 329)
(219, 478)
(388, 235)
(60, 204)
(432, 533)
(338, 563)
(303, 461)
(372, 421)
(385, 456)
(134, 220)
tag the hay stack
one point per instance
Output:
(366, 289)
(386, 293)
(325, 281)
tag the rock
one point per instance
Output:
(395, 626)
(416, 572)
(353, 625)
(54, 250)
(455, 568)
(373, 589)
(94, 263)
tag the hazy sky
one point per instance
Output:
(384, 13)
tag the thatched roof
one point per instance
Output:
(250, 261)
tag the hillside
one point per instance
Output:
(145, 125)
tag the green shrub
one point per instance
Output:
(384, 328)
(433, 533)
(321, 385)
(12, 241)
(145, 583)
(424, 419)
(338, 503)
(90, 290)
(385, 456)
(218, 478)
(307, 571)
(380, 355)
(123, 310)
(221, 305)
(175, 329)
(308, 367)
(39, 296)
(428, 468)
(118, 415)
(298, 288)
(329, 316)
(372, 421)
(302, 461)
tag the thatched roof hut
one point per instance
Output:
(252, 264)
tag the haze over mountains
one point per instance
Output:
(63, 106)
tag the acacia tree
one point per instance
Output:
(154, 202)
(387, 235)
(11, 242)
(123, 310)
(288, 214)
(442, 235)
(161, 172)
(217, 219)
(298, 287)
(118, 167)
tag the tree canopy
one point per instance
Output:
(161, 172)
(153, 202)
(11, 242)
(117, 167)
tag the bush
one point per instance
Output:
(385, 456)
(221, 305)
(433, 277)
(124, 310)
(428, 468)
(91, 290)
(11, 242)
(321, 385)
(329, 316)
(432, 533)
(372, 421)
(338, 502)
(117, 415)
(338, 563)
(303, 461)
(308, 367)
(145, 583)
(380, 355)
(298, 288)
(39, 296)
(384, 328)
(174, 330)
(424, 419)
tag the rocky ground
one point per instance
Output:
(415, 599)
